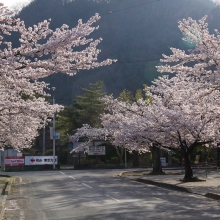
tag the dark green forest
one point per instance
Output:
(136, 36)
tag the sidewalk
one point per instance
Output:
(3, 192)
(209, 188)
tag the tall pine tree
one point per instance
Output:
(89, 106)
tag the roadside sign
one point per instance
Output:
(39, 160)
(14, 161)
(96, 150)
(163, 161)
(57, 135)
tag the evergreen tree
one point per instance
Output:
(126, 96)
(139, 94)
(67, 122)
(89, 106)
(86, 109)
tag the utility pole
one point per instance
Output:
(54, 134)
(125, 159)
(43, 141)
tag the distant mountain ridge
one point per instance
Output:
(135, 35)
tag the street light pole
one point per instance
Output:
(125, 159)
(43, 141)
(54, 134)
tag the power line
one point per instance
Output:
(134, 6)
(123, 9)
(123, 62)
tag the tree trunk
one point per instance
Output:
(218, 155)
(135, 158)
(120, 153)
(157, 168)
(188, 169)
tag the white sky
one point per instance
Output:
(216, 1)
(11, 3)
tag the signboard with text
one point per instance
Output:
(14, 161)
(57, 134)
(163, 161)
(96, 150)
(39, 160)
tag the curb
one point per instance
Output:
(8, 187)
(6, 192)
(164, 185)
(3, 175)
(3, 207)
(211, 195)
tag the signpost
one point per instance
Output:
(14, 161)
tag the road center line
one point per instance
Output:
(112, 198)
(72, 177)
(86, 185)
(62, 173)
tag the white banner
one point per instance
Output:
(39, 160)
(96, 150)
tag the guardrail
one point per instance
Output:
(207, 166)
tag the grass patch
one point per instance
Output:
(149, 172)
(6, 180)
(193, 179)
(135, 173)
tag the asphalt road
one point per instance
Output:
(100, 194)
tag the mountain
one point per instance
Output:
(136, 32)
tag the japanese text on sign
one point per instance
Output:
(96, 150)
(39, 160)
(14, 161)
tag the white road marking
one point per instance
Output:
(22, 217)
(86, 185)
(112, 198)
(20, 190)
(72, 177)
(12, 205)
(62, 173)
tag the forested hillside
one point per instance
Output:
(136, 36)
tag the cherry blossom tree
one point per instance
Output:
(188, 113)
(42, 52)
(184, 110)
(184, 113)
(203, 61)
